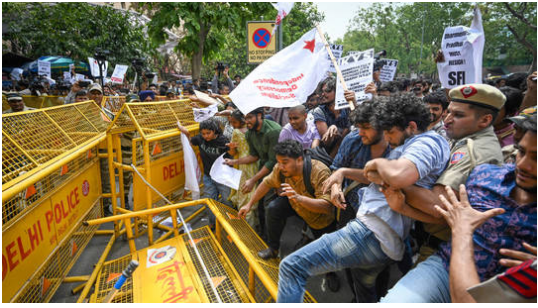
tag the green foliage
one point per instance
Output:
(74, 30)
(398, 30)
(205, 26)
(302, 18)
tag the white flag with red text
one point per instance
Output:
(283, 9)
(287, 78)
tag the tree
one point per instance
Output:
(302, 18)
(204, 25)
(74, 30)
(508, 27)
(398, 29)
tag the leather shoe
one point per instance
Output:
(268, 253)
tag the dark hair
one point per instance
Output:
(210, 124)
(237, 75)
(189, 90)
(203, 86)
(289, 148)
(238, 115)
(330, 83)
(437, 97)
(258, 111)
(230, 104)
(152, 85)
(363, 114)
(81, 93)
(391, 86)
(403, 83)
(514, 98)
(400, 109)
(529, 123)
(517, 80)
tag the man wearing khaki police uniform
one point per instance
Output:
(471, 113)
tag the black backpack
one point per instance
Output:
(318, 154)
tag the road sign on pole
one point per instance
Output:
(261, 44)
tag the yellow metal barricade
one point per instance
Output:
(229, 255)
(156, 151)
(50, 183)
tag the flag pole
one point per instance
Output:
(338, 72)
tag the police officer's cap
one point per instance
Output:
(481, 95)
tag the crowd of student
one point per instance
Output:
(441, 183)
(377, 186)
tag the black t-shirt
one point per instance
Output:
(210, 151)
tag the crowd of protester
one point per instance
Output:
(441, 183)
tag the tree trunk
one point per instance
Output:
(196, 61)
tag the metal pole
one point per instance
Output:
(280, 46)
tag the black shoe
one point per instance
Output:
(331, 282)
(268, 253)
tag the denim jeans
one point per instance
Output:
(352, 246)
(427, 283)
(212, 190)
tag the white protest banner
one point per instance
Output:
(283, 9)
(357, 69)
(94, 67)
(67, 76)
(193, 174)
(224, 174)
(205, 98)
(79, 77)
(388, 71)
(287, 78)
(43, 68)
(462, 49)
(119, 73)
(337, 51)
(202, 114)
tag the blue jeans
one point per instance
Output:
(427, 283)
(212, 190)
(352, 246)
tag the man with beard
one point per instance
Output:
(497, 219)
(289, 173)
(469, 124)
(357, 148)
(376, 237)
(438, 104)
(262, 136)
(300, 129)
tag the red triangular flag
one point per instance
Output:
(229, 239)
(30, 191)
(89, 155)
(112, 276)
(64, 170)
(74, 248)
(45, 285)
(218, 280)
(156, 149)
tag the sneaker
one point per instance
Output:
(331, 282)
(268, 253)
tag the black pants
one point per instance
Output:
(277, 213)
